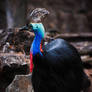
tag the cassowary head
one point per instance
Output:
(36, 17)
(38, 29)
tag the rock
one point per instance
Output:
(19, 41)
(89, 74)
(11, 65)
(4, 34)
(21, 83)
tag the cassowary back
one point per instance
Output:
(59, 69)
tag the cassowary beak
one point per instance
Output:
(26, 27)
(23, 28)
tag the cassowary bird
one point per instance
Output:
(57, 66)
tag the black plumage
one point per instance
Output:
(60, 69)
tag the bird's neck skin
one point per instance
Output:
(35, 47)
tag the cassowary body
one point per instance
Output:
(58, 68)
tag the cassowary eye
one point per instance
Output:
(37, 27)
(30, 26)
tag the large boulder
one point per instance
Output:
(21, 83)
(11, 65)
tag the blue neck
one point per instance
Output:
(35, 47)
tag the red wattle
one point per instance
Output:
(41, 47)
(31, 62)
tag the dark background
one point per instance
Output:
(65, 15)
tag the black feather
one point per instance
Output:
(60, 69)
